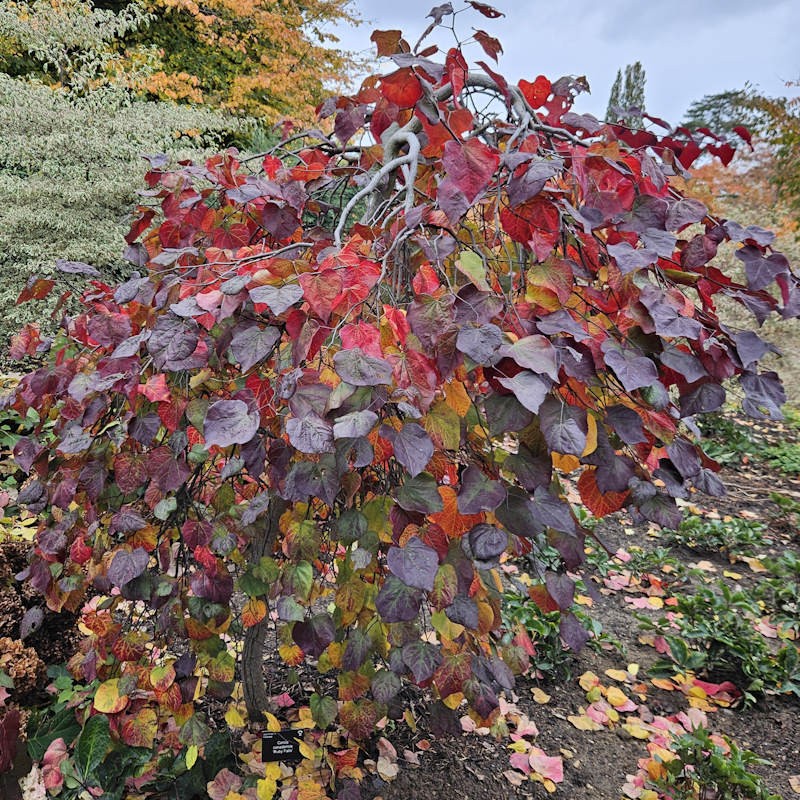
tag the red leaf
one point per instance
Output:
(536, 93)
(490, 45)
(689, 154)
(457, 71)
(130, 471)
(599, 503)
(156, 389)
(321, 291)
(535, 223)
(36, 289)
(9, 736)
(470, 165)
(426, 281)
(51, 764)
(740, 130)
(364, 335)
(402, 88)
(389, 42)
(487, 11)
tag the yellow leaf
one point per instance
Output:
(266, 788)
(617, 674)
(616, 696)
(794, 782)
(107, 699)
(732, 575)
(234, 717)
(540, 697)
(584, 600)
(584, 723)
(455, 395)
(273, 725)
(565, 463)
(633, 669)
(453, 701)
(637, 731)
(655, 602)
(305, 720)
(588, 680)
(754, 564)
(307, 751)
(594, 694)
(192, 752)
(520, 746)
(408, 716)
(549, 785)
(591, 436)
(664, 683)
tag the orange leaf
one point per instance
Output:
(401, 88)
(449, 519)
(599, 503)
(253, 612)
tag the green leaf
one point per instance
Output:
(471, 265)
(93, 745)
(420, 494)
(62, 726)
(323, 710)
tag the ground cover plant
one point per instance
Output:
(292, 432)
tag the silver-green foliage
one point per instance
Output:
(69, 174)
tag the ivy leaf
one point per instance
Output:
(415, 564)
(229, 422)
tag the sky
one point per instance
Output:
(688, 48)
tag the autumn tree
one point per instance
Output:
(626, 100)
(773, 123)
(259, 58)
(350, 377)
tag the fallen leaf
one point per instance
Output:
(539, 696)
(754, 564)
(588, 681)
(637, 731)
(584, 723)
(617, 674)
(794, 782)
(735, 576)
(513, 777)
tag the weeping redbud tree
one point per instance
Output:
(349, 377)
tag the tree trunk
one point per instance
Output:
(253, 684)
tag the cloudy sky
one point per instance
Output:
(689, 48)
